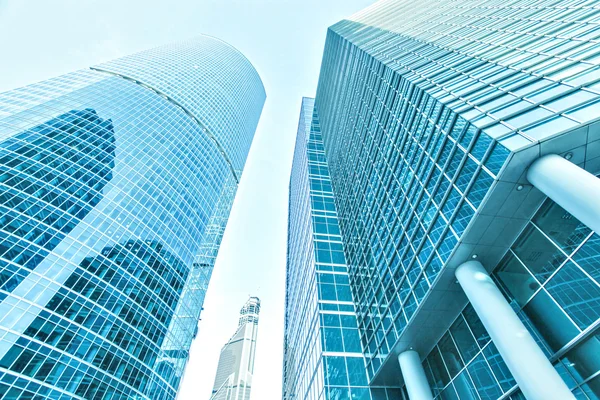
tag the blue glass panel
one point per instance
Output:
(483, 379)
(497, 158)
(356, 371)
(335, 371)
(499, 368)
(577, 294)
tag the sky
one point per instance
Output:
(284, 40)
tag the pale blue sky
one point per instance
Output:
(284, 40)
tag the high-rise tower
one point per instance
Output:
(461, 140)
(115, 185)
(236, 363)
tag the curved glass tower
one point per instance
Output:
(116, 183)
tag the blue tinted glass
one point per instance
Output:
(335, 371)
(499, 368)
(483, 379)
(588, 257)
(577, 294)
(351, 340)
(497, 158)
(464, 339)
(356, 371)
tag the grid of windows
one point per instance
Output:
(209, 66)
(409, 174)
(323, 357)
(421, 104)
(114, 202)
(550, 277)
(66, 162)
(522, 71)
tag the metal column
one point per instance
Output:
(532, 370)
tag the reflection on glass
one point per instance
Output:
(484, 381)
(498, 366)
(449, 393)
(516, 279)
(464, 387)
(538, 253)
(592, 388)
(588, 257)
(438, 370)
(480, 333)
(577, 295)
(550, 321)
(584, 361)
(450, 354)
(51, 177)
(564, 229)
(132, 327)
(464, 340)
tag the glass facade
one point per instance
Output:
(550, 277)
(116, 184)
(322, 353)
(430, 114)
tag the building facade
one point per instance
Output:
(236, 362)
(322, 352)
(462, 144)
(116, 184)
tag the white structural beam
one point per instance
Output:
(532, 370)
(414, 376)
(570, 186)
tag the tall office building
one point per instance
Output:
(115, 185)
(236, 363)
(462, 140)
(321, 332)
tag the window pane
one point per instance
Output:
(550, 321)
(588, 257)
(476, 326)
(577, 294)
(562, 227)
(484, 379)
(516, 279)
(464, 339)
(351, 340)
(356, 371)
(538, 253)
(480, 188)
(449, 393)
(584, 359)
(438, 369)
(450, 355)
(464, 387)
(592, 388)
(333, 339)
(499, 368)
(335, 371)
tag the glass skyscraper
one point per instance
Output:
(236, 362)
(116, 184)
(321, 332)
(461, 142)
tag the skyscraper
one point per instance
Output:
(321, 331)
(116, 184)
(236, 363)
(461, 142)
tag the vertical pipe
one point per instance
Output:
(532, 370)
(414, 376)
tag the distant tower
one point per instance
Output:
(236, 364)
